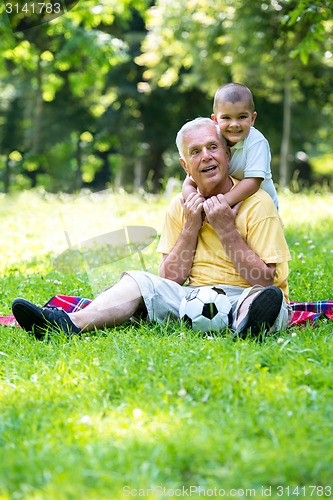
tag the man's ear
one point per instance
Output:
(183, 164)
(213, 117)
(254, 116)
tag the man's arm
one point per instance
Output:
(247, 263)
(176, 265)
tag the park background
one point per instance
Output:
(90, 105)
(94, 98)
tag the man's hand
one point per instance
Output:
(222, 219)
(193, 211)
(219, 214)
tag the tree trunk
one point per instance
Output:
(38, 111)
(77, 181)
(6, 178)
(138, 174)
(284, 170)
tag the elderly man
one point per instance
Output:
(204, 242)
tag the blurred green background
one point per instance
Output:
(94, 98)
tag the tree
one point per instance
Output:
(61, 70)
(313, 22)
(265, 44)
(97, 95)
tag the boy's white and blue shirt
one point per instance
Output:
(252, 158)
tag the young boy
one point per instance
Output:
(250, 154)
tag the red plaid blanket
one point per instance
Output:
(303, 311)
(311, 311)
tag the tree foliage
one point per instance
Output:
(96, 95)
(313, 22)
(281, 49)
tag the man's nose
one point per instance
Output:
(206, 153)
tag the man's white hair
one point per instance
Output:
(194, 124)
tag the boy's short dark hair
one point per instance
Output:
(233, 92)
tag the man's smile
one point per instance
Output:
(209, 169)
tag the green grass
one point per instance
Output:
(153, 407)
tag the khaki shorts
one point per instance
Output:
(162, 298)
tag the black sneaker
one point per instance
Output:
(38, 319)
(262, 312)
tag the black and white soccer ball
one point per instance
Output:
(206, 309)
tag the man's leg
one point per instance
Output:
(112, 307)
(261, 308)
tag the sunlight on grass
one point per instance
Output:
(309, 209)
(150, 405)
(36, 222)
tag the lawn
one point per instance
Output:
(155, 411)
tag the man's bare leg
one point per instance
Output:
(112, 307)
(244, 308)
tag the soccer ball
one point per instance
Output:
(206, 309)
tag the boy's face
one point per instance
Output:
(234, 120)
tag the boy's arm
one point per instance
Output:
(242, 190)
(189, 186)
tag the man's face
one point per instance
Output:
(206, 159)
(234, 120)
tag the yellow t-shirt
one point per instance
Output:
(259, 224)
